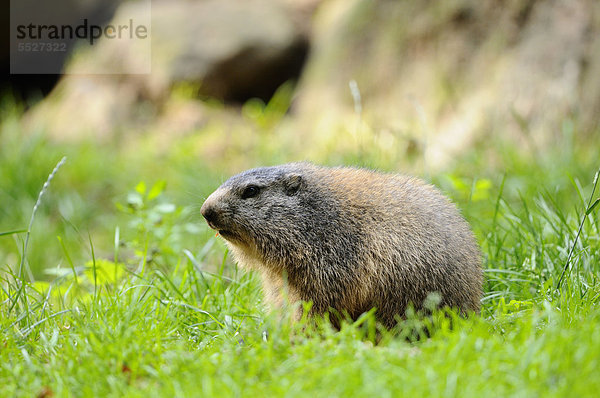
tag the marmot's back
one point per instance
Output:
(348, 239)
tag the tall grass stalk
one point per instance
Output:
(19, 276)
(35, 208)
(588, 210)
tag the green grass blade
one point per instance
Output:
(591, 208)
(94, 268)
(17, 231)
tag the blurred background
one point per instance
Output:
(477, 97)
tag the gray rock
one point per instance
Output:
(234, 49)
(448, 74)
(231, 50)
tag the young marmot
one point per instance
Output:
(348, 239)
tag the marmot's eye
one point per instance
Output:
(250, 192)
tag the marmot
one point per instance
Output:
(348, 239)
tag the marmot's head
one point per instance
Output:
(255, 203)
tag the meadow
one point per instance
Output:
(112, 284)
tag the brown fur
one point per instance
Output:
(348, 239)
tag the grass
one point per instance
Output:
(137, 297)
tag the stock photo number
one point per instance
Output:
(42, 47)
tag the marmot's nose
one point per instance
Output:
(210, 214)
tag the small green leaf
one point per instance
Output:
(157, 189)
(141, 187)
(481, 190)
(483, 184)
(458, 184)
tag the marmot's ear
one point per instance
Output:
(292, 183)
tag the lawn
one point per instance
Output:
(120, 289)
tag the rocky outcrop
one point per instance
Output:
(428, 77)
(231, 50)
(448, 74)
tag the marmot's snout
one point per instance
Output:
(212, 211)
(210, 215)
(217, 214)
